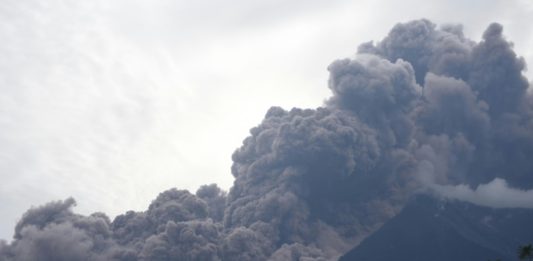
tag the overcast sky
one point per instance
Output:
(112, 102)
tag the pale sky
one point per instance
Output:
(112, 102)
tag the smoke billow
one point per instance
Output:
(423, 108)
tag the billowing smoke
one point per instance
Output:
(423, 108)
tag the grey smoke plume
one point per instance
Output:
(424, 107)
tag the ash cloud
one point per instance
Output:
(423, 108)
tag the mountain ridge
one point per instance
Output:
(435, 229)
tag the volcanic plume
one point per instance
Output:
(423, 110)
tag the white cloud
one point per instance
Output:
(496, 194)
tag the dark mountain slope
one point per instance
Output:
(432, 229)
